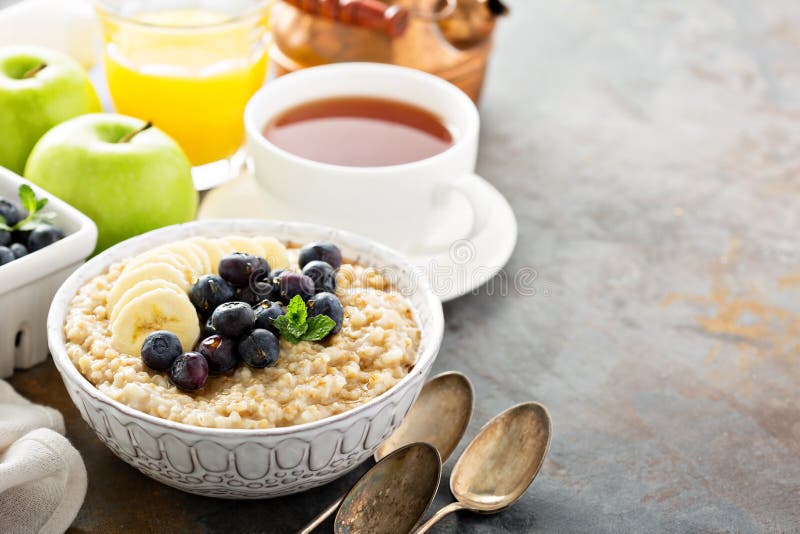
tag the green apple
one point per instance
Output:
(126, 176)
(39, 88)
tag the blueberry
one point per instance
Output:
(189, 371)
(323, 251)
(274, 292)
(206, 329)
(266, 313)
(291, 284)
(20, 236)
(251, 295)
(19, 250)
(233, 319)
(10, 212)
(6, 256)
(259, 349)
(42, 236)
(327, 304)
(220, 352)
(209, 292)
(160, 349)
(5, 238)
(322, 274)
(240, 268)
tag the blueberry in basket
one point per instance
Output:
(10, 213)
(19, 250)
(6, 255)
(42, 236)
(25, 229)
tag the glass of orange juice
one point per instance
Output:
(189, 67)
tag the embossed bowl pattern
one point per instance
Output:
(250, 464)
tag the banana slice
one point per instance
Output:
(192, 253)
(150, 271)
(162, 255)
(140, 288)
(159, 309)
(274, 251)
(242, 244)
(210, 251)
(215, 250)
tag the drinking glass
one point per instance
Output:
(189, 67)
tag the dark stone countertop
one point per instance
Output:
(651, 151)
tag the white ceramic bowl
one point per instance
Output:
(28, 284)
(250, 464)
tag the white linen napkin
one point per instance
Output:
(42, 476)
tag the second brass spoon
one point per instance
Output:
(500, 463)
(439, 416)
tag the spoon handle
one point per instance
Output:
(452, 507)
(325, 514)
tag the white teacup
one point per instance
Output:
(402, 205)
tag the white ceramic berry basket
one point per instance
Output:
(28, 284)
(250, 464)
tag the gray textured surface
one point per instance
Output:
(651, 151)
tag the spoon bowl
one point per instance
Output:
(439, 416)
(394, 494)
(503, 459)
(500, 463)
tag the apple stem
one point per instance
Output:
(34, 71)
(128, 137)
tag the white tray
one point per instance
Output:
(27, 285)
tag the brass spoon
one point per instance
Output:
(439, 416)
(500, 463)
(394, 494)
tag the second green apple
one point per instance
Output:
(128, 178)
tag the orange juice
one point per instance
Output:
(190, 72)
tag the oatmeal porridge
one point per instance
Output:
(109, 320)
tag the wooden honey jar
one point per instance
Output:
(449, 38)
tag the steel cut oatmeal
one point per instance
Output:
(376, 347)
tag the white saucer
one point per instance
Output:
(457, 270)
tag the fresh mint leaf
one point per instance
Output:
(27, 225)
(282, 323)
(33, 206)
(296, 329)
(295, 326)
(28, 199)
(318, 327)
(296, 311)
